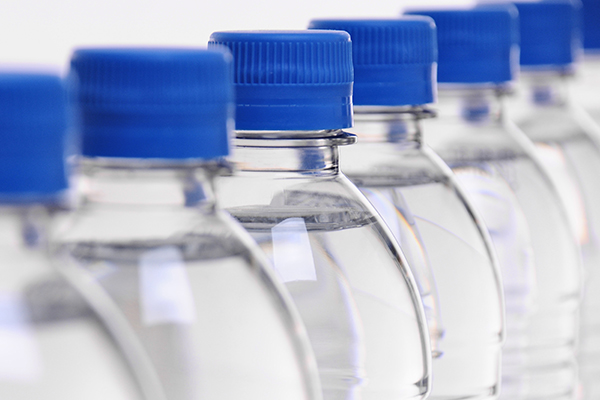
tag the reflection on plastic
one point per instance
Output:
(554, 161)
(292, 254)
(165, 291)
(20, 357)
(392, 207)
(510, 233)
(386, 208)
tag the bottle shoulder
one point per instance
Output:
(552, 124)
(313, 198)
(391, 164)
(118, 223)
(455, 140)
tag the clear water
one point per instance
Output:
(540, 355)
(595, 114)
(573, 163)
(69, 359)
(398, 217)
(506, 223)
(468, 290)
(51, 345)
(351, 293)
(200, 308)
(584, 158)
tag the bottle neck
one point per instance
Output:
(137, 182)
(546, 88)
(398, 125)
(290, 152)
(591, 61)
(25, 226)
(472, 105)
(23, 245)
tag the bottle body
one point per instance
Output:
(501, 174)
(410, 186)
(53, 346)
(189, 283)
(351, 285)
(570, 150)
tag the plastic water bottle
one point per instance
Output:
(52, 346)
(149, 235)
(528, 224)
(405, 231)
(417, 195)
(569, 148)
(587, 78)
(345, 271)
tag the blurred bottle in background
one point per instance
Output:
(586, 88)
(568, 145)
(149, 235)
(346, 273)
(419, 199)
(528, 224)
(52, 345)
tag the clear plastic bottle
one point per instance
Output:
(569, 148)
(52, 346)
(528, 224)
(418, 197)
(344, 270)
(149, 235)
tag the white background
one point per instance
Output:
(44, 32)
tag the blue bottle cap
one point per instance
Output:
(591, 25)
(550, 33)
(476, 45)
(393, 59)
(291, 80)
(33, 136)
(154, 103)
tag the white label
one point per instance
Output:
(165, 291)
(292, 253)
(20, 357)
